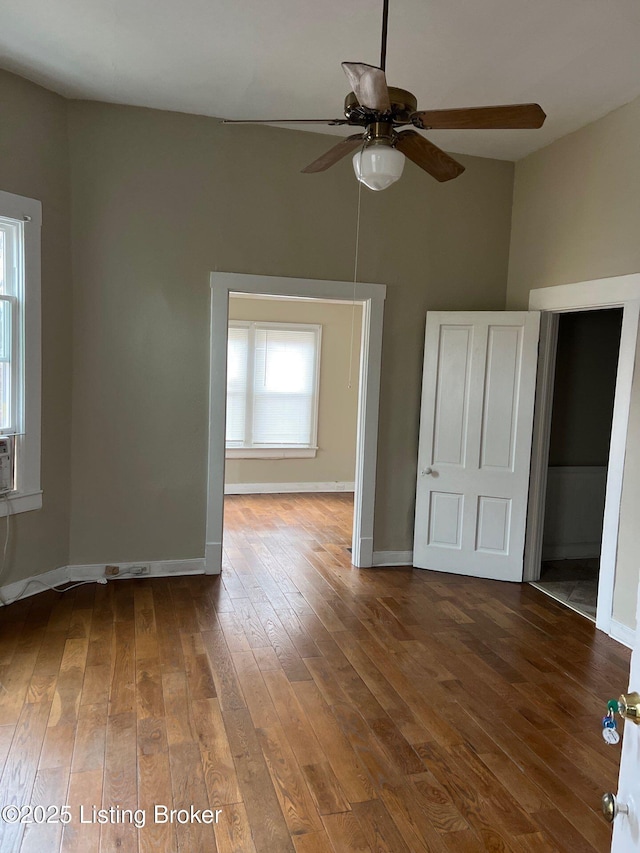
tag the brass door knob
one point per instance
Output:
(629, 707)
(611, 808)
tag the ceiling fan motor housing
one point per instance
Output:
(403, 105)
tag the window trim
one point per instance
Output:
(28, 493)
(281, 451)
(277, 452)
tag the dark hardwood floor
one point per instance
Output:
(316, 706)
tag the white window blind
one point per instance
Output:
(272, 385)
(237, 360)
(11, 261)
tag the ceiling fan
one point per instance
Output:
(380, 109)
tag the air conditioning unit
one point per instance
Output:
(6, 465)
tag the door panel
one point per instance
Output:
(626, 829)
(445, 520)
(450, 422)
(494, 525)
(475, 442)
(504, 349)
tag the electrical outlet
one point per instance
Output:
(124, 571)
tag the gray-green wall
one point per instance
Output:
(576, 217)
(161, 199)
(158, 200)
(34, 163)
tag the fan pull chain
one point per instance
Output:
(355, 279)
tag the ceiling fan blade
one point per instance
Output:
(369, 85)
(344, 147)
(481, 118)
(332, 121)
(428, 156)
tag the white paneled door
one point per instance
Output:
(474, 452)
(626, 829)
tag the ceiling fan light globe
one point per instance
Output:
(378, 166)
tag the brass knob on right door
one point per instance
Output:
(629, 707)
(611, 808)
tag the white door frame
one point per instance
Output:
(371, 297)
(616, 292)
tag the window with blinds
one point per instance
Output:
(272, 385)
(20, 353)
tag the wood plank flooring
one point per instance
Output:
(319, 708)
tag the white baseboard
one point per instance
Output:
(95, 572)
(381, 559)
(213, 558)
(285, 488)
(572, 551)
(622, 633)
(159, 568)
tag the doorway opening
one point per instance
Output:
(586, 367)
(371, 298)
(293, 370)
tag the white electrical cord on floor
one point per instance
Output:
(4, 602)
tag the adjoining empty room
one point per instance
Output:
(584, 389)
(293, 373)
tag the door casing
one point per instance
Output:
(616, 292)
(371, 297)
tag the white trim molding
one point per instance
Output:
(616, 292)
(96, 572)
(271, 452)
(285, 488)
(545, 381)
(20, 503)
(371, 297)
(622, 633)
(586, 295)
(384, 559)
(213, 557)
(157, 569)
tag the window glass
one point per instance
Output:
(272, 385)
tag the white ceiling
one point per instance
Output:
(281, 58)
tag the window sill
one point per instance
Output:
(271, 452)
(20, 503)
